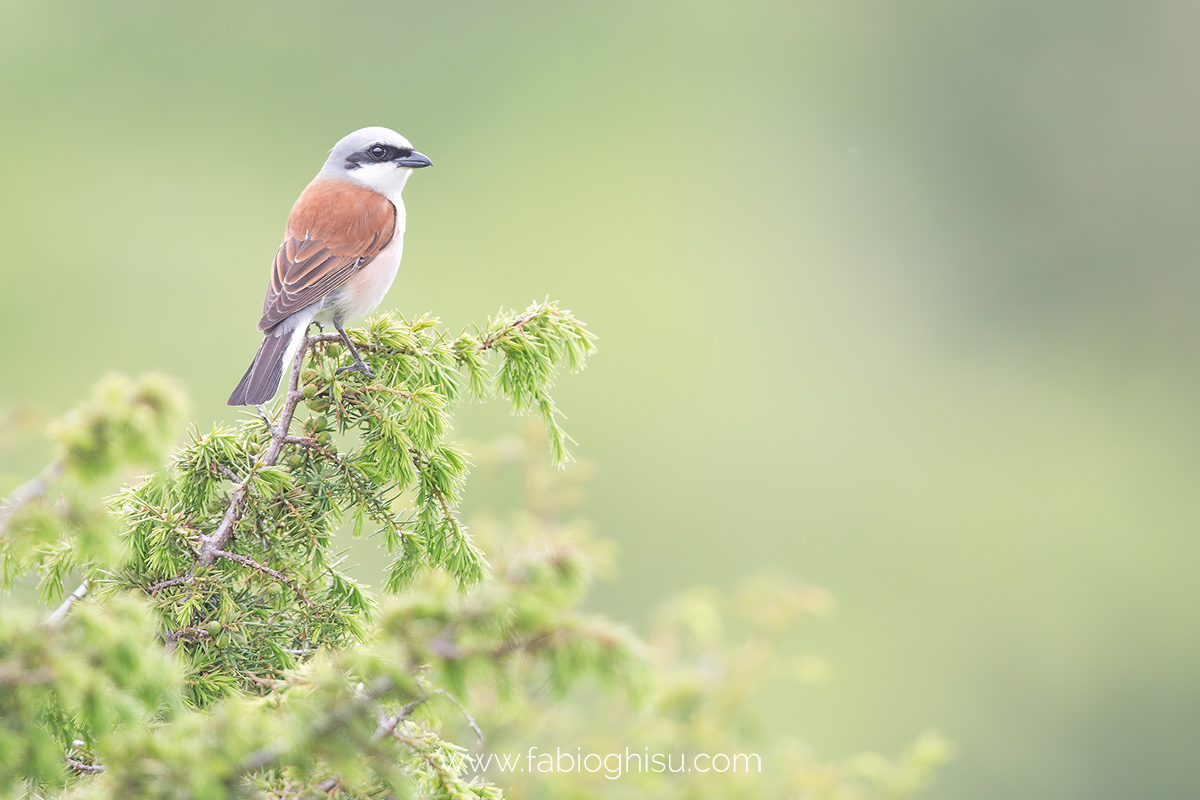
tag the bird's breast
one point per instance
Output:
(364, 292)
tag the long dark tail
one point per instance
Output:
(261, 381)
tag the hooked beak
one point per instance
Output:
(414, 160)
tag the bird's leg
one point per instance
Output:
(359, 365)
(308, 327)
(262, 414)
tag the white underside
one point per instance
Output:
(358, 297)
(363, 293)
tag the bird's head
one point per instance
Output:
(377, 158)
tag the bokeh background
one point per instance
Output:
(895, 297)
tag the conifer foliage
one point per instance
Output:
(215, 647)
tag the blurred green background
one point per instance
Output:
(897, 297)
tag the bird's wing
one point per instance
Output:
(335, 229)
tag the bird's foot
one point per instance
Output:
(358, 366)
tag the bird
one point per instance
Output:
(340, 253)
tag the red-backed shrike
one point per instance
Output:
(339, 255)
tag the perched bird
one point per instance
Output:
(339, 255)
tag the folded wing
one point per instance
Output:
(335, 229)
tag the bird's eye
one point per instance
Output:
(379, 152)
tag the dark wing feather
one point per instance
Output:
(335, 229)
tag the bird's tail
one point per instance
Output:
(261, 380)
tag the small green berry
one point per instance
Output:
(308, 375)
(310, 391)
(323, 438)
(295, 461)
(213, 628)
(321, 423)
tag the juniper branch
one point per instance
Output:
(29, 491)
(270, 753)
(388, 726)
(375, 509)
(86, 769)
(61, 612)
(276, 574)
(157, 587)
(462, 709)
(209, 545)
(489, 341)
(228, 473)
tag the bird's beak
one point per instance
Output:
(414, 161)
